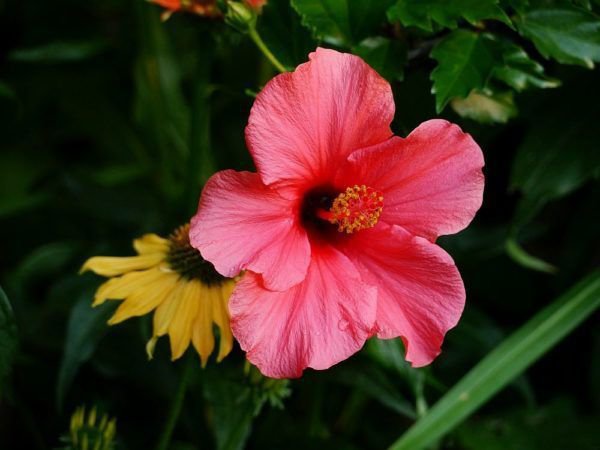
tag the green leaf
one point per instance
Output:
(520, 71)
(59, 52)
(388, 57)
(376, 384)
(8, 339)
(486, 108)
(425, 13)
(557, 155)
(280, 28)
(569, 35)
(342, 22)
(233, 409)
(555, 426)
(389, 353)
(506, 362)
(465, 62)
(85, 328)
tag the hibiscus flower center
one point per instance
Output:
(354, 209)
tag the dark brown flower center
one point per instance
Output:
(187, 261)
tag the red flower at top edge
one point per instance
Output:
(205, 8)
(336, 231)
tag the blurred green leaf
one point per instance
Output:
(516, 252)
(486, 108)
(59, 52)
(376, 384)
(45, 260)
(389, 353)
(556, 426)
(233, 408)
(279, 26)
(8, 339)
(557, 155)
(424, 13)
(85, 328)
(465, 62)
(342, 22)
(387, 56)
(503, 364)
(569, 35)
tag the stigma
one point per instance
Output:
(357, 208)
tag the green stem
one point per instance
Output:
(176, 407)
(263, 48)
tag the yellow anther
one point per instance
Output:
(357, 208)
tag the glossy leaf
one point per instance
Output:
(465, 62)
(342, 22)
(425, 13)
(569, 35)
(503, 364)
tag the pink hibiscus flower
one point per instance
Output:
(336, 231)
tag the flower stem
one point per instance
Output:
(176, 407)
(263, 48)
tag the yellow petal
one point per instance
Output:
(110, 266)
(180, 328)
(166, 311)
(151, 243)
(221, 318)
(145, 299)
(122, 287)
(202, 333)
(150, 347)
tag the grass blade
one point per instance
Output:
(506, 362)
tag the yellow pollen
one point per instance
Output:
(357, 208)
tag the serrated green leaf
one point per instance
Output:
(388, 57)
(425, 13)
(465, 63)
(342, 22)
(520, 71)
(569, 35)
(8, 338)
(486, 108)
(85, 328)
(506, 362)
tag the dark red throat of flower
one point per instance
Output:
(355, 209)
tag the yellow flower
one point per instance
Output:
(169, 277)
(86, 433)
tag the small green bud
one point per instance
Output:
(240, 16)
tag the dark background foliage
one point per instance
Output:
(110, 121)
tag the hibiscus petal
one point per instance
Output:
(317, 323)
(431, 181)
(243, 224)
(305, 122)
(420, 292)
